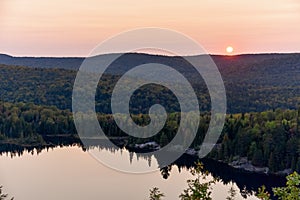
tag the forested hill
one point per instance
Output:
(227, 64)
(253, 82)
(42, 62)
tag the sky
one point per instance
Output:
(75, 27)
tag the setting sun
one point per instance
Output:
(229, 49)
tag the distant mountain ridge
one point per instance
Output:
(255, 82)
(73, 63)
(42, 62)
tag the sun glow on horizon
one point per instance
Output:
(229, 49)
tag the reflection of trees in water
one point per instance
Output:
(15, 149)
(246, 182)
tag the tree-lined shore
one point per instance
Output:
(266, 139)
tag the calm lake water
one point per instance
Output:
(70, 173)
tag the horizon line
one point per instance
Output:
(152, 54)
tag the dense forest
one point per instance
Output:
(269, 138)
(252, 82)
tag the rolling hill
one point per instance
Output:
(253, 82)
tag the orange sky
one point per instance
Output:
(75, 27)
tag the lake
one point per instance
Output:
(62, 173)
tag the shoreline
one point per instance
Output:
(52, 141)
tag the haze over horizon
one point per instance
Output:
(71, 28)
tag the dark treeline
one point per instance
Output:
(269, 138)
